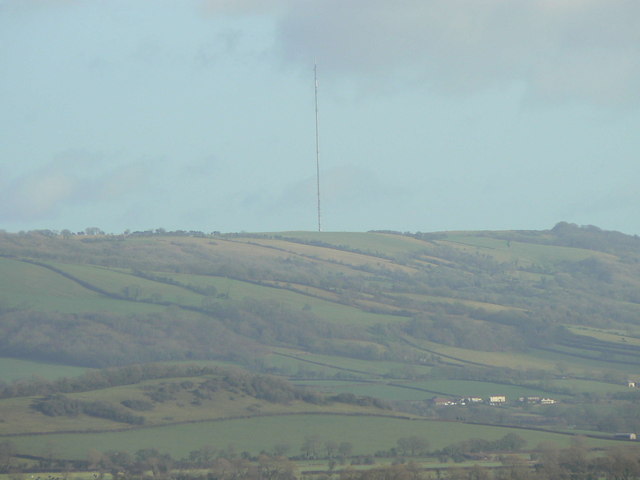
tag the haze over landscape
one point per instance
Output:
(434, 114)
(471, 309)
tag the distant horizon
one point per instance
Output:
(162, 231)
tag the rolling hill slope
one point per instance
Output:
(553, 314)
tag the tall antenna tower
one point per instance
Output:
(315, 77)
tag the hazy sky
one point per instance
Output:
(434, 114)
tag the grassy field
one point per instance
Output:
(367, 434)
(334, 255)
(432, 299)
(367, 367)
(613, 336)
(237, 290)
(24, 285)
(115, 281)
(14, 369)
(342, 278)
(525, 253)
(373, 243)
(537, 358)
(589, 386)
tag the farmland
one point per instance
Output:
(362, 329)
(267, 432)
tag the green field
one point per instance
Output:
(372, 243)
(114, 281)
(525, 253)
(367, 434)
(589, 386)
(237, 290)
(398, 317)
(14, 369)
(24, 285)
(350, 366)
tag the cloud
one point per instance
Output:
(72, 179)
(35, 196)
(560, 50)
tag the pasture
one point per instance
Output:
(372, 243)
(367, 434)
(524, 253)
(300, 304)
(374, 368)
(238, 290)
(116, 281)
(15, 369)
(24, 285)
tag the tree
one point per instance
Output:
(311, 446)
(93, 231)
(331, 447)
(131, 291)
(203, 457)
(413, 446)
(511, 442)
(621, 464)
(152, 459)
(274, 468)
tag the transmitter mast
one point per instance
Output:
(315, 76)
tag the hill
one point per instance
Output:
(395, 318)
(156, 296)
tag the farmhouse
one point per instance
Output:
(497, 399)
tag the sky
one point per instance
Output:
(433, 114)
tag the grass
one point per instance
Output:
(17, 416)
(373, 243)
(534, 358)
(367, 434)
(519, 360)
(432, 299)
(589, 386)
(115, 281)
(14, 369)
(524, 253)
(238, 290)
(24, 285)
(333, 255)
(613, 336)
(366, 367)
